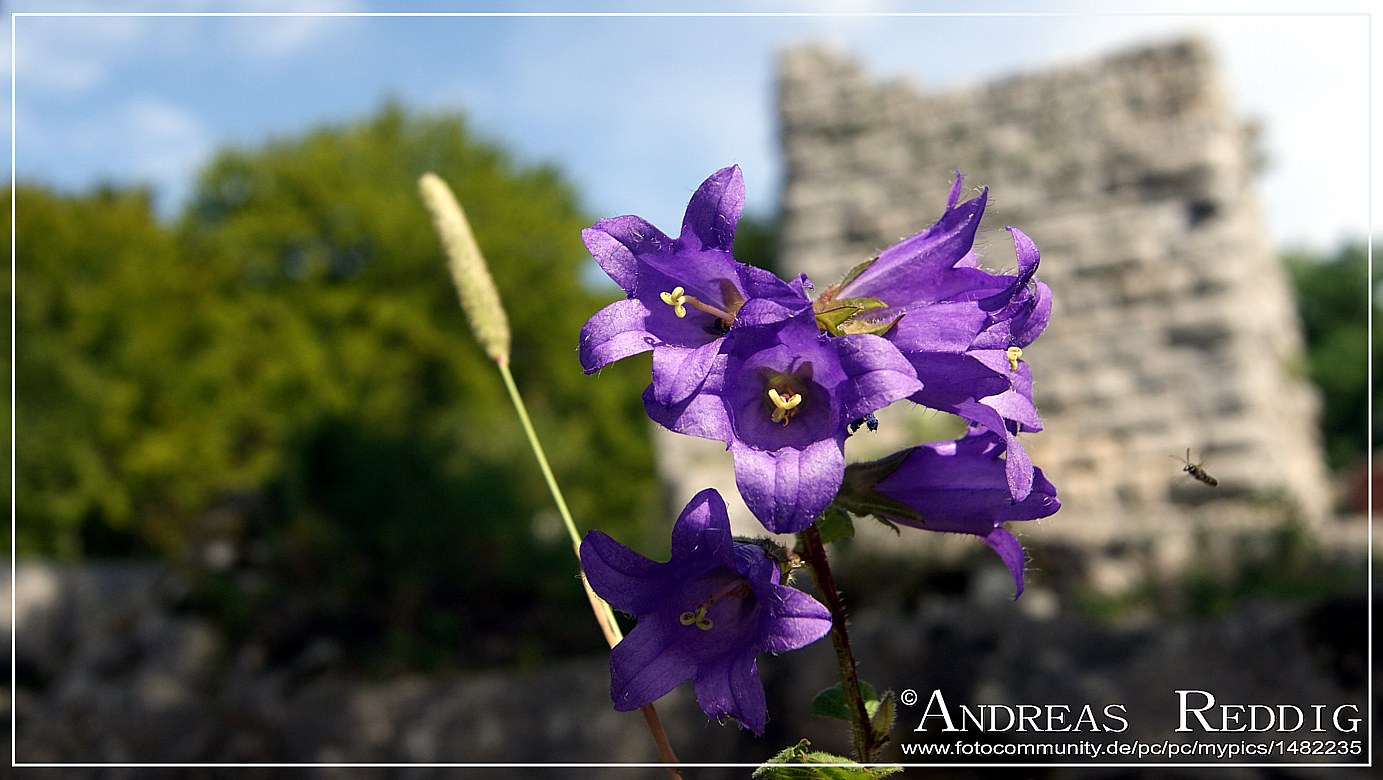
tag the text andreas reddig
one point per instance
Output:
(1197, 710)
(1019, 717)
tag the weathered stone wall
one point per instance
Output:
(1173, 325)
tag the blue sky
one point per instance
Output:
(636, 110)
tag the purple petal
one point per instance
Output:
(616, 331)
(1010, 551)
(1026, 251)
(1025, 330)
(950, 380)
(702, 531)
(876, 373)
(678, 372)
(615, 244)
(770, 299)
(961, 487)
(954, 197)
(938, 327)
(1014, 403)
(630, 582)
(702, 414)
(792, 619)
(733, 690)
(923, 268)
(713, 211)
(1017, 465)
(786, 489)
(647, 663)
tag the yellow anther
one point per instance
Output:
(738, 589)
(784, 404)
(677, 299)
(1013, 354)
(697, 618)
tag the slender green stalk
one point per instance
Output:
(604, 612)
(604, 615)
(480, 301)
(866, 744)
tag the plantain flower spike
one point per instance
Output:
(474, 285)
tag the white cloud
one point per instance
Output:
(142, 140)
(70, 55)
(270, 40)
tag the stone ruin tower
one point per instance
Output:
(1173, 325)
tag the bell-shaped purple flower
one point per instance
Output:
(704, 616)
(683, 295)
(954, 487)
(782, 399)
(989, 383)
(962, 328)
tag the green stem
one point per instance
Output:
(866, 747)
(604, 615)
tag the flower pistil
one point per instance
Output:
(785, 403)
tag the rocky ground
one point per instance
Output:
(110, 668)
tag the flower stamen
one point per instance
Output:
(1013, 353)
(698, 618)
(784, 404)
(679, 301)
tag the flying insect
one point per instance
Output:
(1196, 470)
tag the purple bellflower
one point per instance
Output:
(703, 616)
(962, 328)
(782, 399)
(683, 295)
(953, 487)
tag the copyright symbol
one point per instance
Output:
(908, 697)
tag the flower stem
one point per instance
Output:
(603, 614)
(867, 744)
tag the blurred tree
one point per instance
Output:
(1334, 294)
(756, 242)
(95, 277)
(296, 337)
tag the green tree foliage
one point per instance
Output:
(756, 241)
(1333, 296)
(96, 285)
(296, 337)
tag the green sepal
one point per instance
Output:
(856, 327)
(863, 304)
(892, 526)
(833, 315)
(854, 273)
(857, 494)
(835, 525)
(881, 719)
(831, 321)
(830, 703)
(882, 508)
(781, 766)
